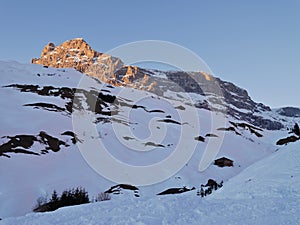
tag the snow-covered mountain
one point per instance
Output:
(211, 92)
(50, 115)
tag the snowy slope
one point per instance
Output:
(267, 192)
(277, 176)
(135, 121)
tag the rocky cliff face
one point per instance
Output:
(78, 54)
(216, 94)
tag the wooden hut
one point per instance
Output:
(223, 162)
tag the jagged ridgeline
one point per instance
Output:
(219, 95)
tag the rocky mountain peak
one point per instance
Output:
(78, 54)
(213, 93)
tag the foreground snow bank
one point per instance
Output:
(172, 210)
(265, 193)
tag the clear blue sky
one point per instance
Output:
(254, 44)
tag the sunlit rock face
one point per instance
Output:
(217, 95)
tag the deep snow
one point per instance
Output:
(270, 197)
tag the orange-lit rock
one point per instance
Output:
(79, 55)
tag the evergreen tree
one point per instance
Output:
(54, 197)
(64, 199)
(68, 197)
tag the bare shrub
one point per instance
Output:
(103, 196)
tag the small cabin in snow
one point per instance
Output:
(223, 162)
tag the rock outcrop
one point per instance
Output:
(289, 111)
(78, 54)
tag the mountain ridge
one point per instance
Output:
(219, 95)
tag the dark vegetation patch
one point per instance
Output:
(144, 108)
(46, 106)
(232, 129)
(18, 144)
(121, 121)
(180, 107)
(226, 129)
(209, 187)
(117, 189)
(292, 138)
(252, 129)
(102, 119)
(103, 90)
(176, 191)
(200, 138)
(69, 197)
(154, 145)
(211, 183)
(74, 138)
(22, 144)
(138, 107)
(169, 121)
(125, 103)
(211, 135)
(51, 143)
(128, 138)
(96, 101)
(203, 105)
(51, 74)
(156, 111)
(124, 186)
(285, 141)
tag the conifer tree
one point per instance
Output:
(54, 197)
